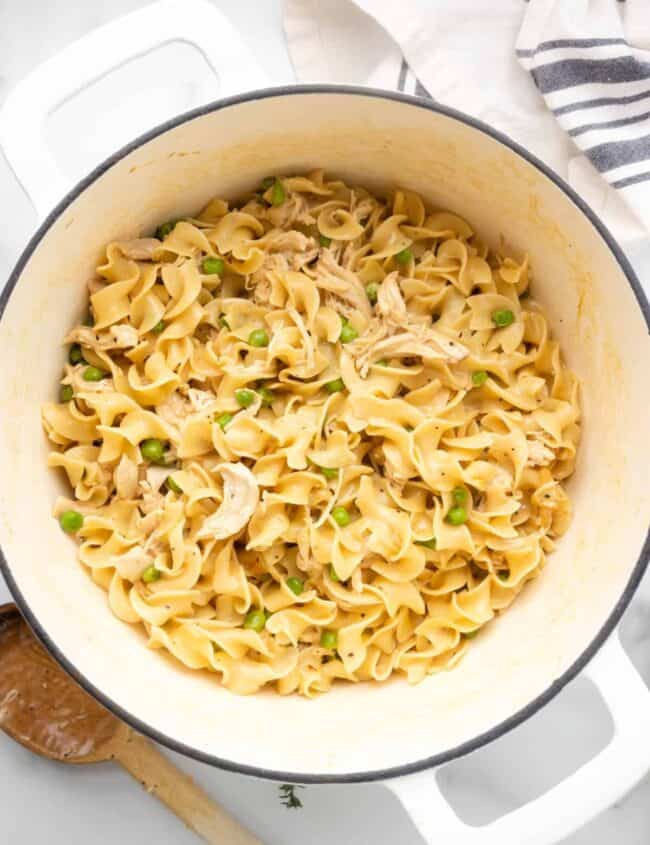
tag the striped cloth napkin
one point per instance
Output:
(597, 85)
(568, 79)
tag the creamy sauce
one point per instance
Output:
(40, 706)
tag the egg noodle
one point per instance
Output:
(321, 435)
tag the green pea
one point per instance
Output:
(164, 229)
(295, 585)
(372, 292)
(503, 317)
(431, 543)
(479, 378)
(323, 240)
(223, 322)
(267, 183)
(341, 515)
(213, 266)
(244, 397)
(153, 450)
(267, 396)
(66, 393)
(460, 495)
(278, 195)
(469, 635)
(335, 386)
(348, 332)
(223, 420)
(258, 338)
(150, 574)
(404, 256)
(456, 515)
(504, 575)
(329, 639)
(71, 521)
(75, 355)
(334, 576)
(329, 472)
(173, 486)
(255, 620)
(93, 374)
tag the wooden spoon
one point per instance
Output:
(47, 712)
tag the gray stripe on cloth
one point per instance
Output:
(617, 153)
(577, 42)
(556, 76)
(609, 124)
(570, 42)
(601, 101)
(421, 91)
(403, 70)
(632, 180)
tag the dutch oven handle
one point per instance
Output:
(573, 802)
(25, 111)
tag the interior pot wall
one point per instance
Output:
(374, 142)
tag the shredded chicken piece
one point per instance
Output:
(301, 259)
(82, 334)
(307, 563)
(287, 243)
(202, 400)
(124, 336)
(393, 472)
(139, 249)
(294, 210)
(539, 455)
(148, 525)
(260, 282)
(284, 254)
(308, 343)
(131, 564)
(156, 477)
(240, 498)
(392, 334)
(363, 207)
(152, 500)
(74, 376)
(175, 409)
(125, 477)
(119, 336)
(342, 284)
(391, 307)
(428, 345)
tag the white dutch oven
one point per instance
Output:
(558, 627)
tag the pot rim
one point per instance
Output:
(481, 739)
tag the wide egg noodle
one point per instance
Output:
(330, 430)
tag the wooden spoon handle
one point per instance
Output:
(180, 793)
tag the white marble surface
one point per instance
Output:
(43, 801)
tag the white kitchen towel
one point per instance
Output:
(596, 85)
(464, 54)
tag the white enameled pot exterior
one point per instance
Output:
(356, 732)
